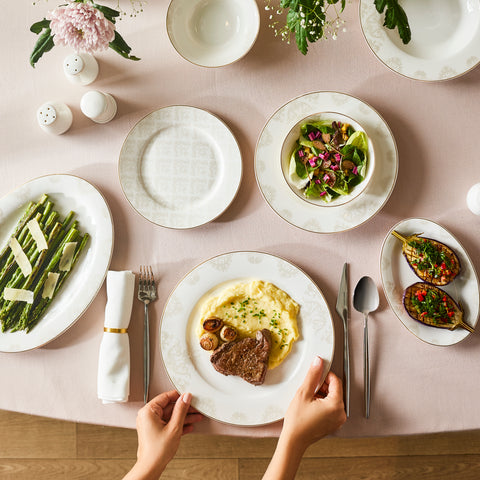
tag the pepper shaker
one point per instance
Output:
(473, 199)
(80, 68)
(98, 106)
(54, 117)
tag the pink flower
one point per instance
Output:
(82, 27)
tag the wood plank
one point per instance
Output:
(28, 436)
(114, 469)
(61, 469)
(467, 442)
(108, 442)
(441, 467)
(95, 441)
(201, 469)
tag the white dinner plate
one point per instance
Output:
(301, 213)
(445, 39)
(91, 210)
(226, 398)
(397, 276)
(180, 167)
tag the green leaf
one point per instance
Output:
(301, 39)
(300, 169)
(380, 5)
(119, 45)
(44, 44)
(39, 26)
(110, 13)
(395, 16)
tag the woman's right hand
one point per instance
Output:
(314, 412)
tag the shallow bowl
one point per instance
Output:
(289, 145)
(213, 33)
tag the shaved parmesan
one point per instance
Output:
(50, 284)
(67, 256)
(20, 257)
(18, 295)
(37, 234)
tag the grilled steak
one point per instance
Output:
(246, 358)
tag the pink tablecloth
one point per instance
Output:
(416, 387)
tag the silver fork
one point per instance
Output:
(146, 293)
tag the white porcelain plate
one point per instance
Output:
(296, 210)
(231, 399)
(68, 193)
(180, 167)
(397, 276)
(213, 33)
(445, 39)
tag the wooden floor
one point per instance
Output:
(39, 448)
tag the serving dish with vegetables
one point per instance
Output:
(36, 261)
(58, 301)
(430, 281)
(328, 159)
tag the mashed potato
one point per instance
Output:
(255, 305)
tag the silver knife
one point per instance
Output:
(343, 309)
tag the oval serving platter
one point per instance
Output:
(397, 276)
(91, 210)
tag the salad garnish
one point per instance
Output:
(329, 159)
(432, 304)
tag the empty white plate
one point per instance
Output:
(180, 167)
(213, 33)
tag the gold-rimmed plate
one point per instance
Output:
(295, 210)
(180, 167)
(231, 399)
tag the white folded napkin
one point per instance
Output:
(113, 382)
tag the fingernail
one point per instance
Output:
(187, 398)
(317, 361)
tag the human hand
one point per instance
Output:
(160, 426)
(314, 414)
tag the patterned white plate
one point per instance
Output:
(445, 38)
(180, 167)
(397, 276)
(231, 399)
(305, 215)
(91, 210)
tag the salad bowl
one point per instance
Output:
(298, 185)
(213, 33)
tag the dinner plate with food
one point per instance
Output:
(430, 281)
(445, 38)
(315, 162)
(240, 331)
(56, 246)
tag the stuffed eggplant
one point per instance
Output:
(432, 261)
(432, 306)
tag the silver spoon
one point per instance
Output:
(366, 300)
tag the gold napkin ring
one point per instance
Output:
(115, 330)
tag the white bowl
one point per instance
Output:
(213, 33)
(289, 145)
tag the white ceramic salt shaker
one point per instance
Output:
(54, 117)
(80, 68)
(473, 199)
(98, 106)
